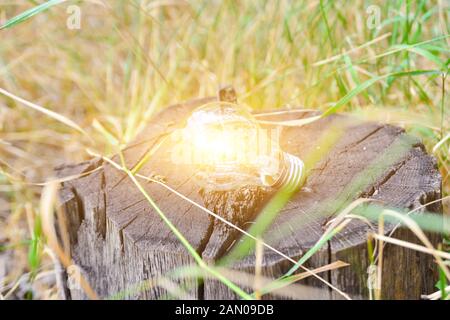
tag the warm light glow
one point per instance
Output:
(228, 147)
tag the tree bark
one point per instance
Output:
(121, 243)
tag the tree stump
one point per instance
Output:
(119, 240)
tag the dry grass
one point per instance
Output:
(132, 58)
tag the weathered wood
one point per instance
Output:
(120, 241)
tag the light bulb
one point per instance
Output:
(230, 150)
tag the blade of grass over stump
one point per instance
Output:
(185, 242)
(390, 156)
(48, 206)
(115, 165)
(30, 13)
(277, 203)
(402, 48)
(388, 53)
(276, 53)
(424, 53)
(427, 221)
(337, 227)
(281, 283)
(366, 84)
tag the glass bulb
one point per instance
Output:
(229, 150)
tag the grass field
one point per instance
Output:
(92, 74)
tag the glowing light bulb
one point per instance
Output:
(229, 150)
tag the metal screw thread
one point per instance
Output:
(291, 177)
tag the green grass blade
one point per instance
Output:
(46, 111)
(30, 13)
(442, 284)
(366, 84)
(263, 221)
(186, 243)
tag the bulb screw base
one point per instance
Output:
(292, 174)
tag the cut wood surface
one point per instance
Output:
(121, 243)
